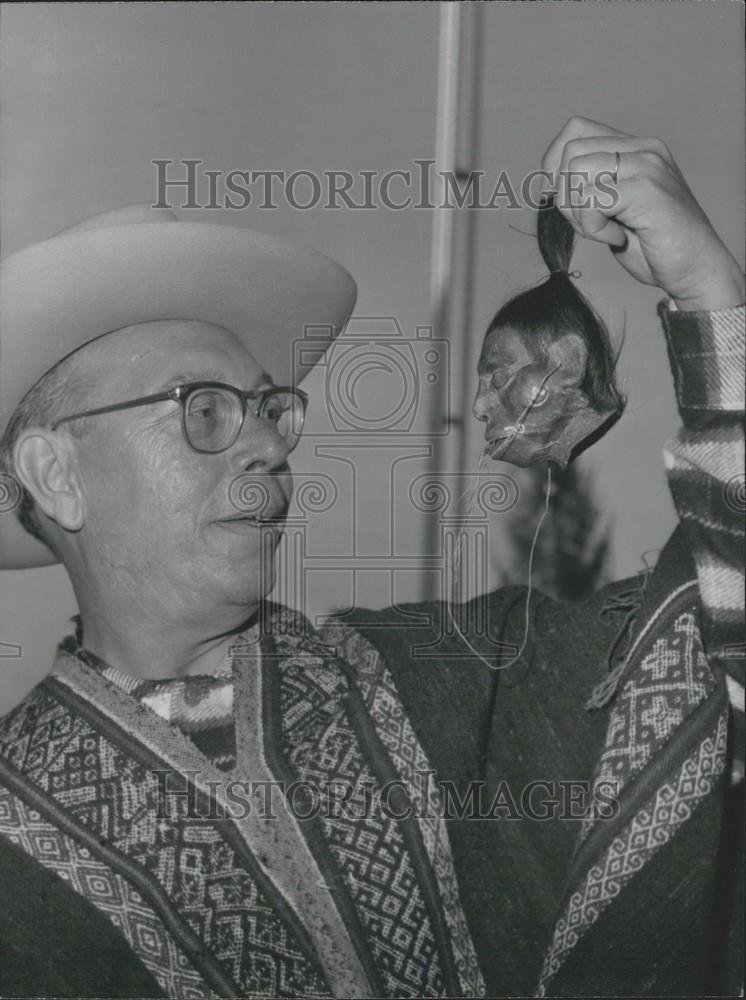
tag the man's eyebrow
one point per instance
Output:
(211, 375)
(200, 376)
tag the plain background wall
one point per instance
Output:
(91, 93)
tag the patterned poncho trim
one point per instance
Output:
(216, 903)
(664, 754)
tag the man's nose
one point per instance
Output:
(260, 446)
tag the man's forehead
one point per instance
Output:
(185, 350)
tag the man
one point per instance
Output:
(137, 385)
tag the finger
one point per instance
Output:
(620, 248)
(599, 189)
(575, 128)
(607, 231)
(588, 196)
(629, 146)
(623, 242)
(633, 260)
(600, 229)
(608, 144)
(594, 225)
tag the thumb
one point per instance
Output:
(594, 225)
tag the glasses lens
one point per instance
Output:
(286, 411)
(212, 418)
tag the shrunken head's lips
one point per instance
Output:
(493, 443)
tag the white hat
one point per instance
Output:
(135, 265)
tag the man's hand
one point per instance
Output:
(655, 225)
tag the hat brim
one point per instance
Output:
(284, 302)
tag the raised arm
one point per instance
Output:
(661, 236)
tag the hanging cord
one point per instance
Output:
(456, 563)
(529, 589)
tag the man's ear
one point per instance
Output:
(46, 465)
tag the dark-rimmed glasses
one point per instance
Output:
(213, 413)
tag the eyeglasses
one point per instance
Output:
(213, 413)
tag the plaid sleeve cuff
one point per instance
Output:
(706, 350)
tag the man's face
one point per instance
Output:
(525, 398)
(160, 516)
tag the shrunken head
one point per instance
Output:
(546, 370)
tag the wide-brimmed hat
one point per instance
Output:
(135, 265)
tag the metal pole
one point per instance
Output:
(441, 261)
(451, 279)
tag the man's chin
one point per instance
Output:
(243, 578)
(243, 551)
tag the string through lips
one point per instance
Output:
(494, 448)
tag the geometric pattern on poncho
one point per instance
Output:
(200, 873)
(663, 687)
(111, 894)
(670, 680)
(651, 828)
(367, 845)
(379, 692)
(370, 848)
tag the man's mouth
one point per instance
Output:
(248, 519)
(250, 523)
(275, 518)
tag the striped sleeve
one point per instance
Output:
(705, 468)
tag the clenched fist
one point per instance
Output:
(652, 221)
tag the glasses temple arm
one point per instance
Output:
(157, 398)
